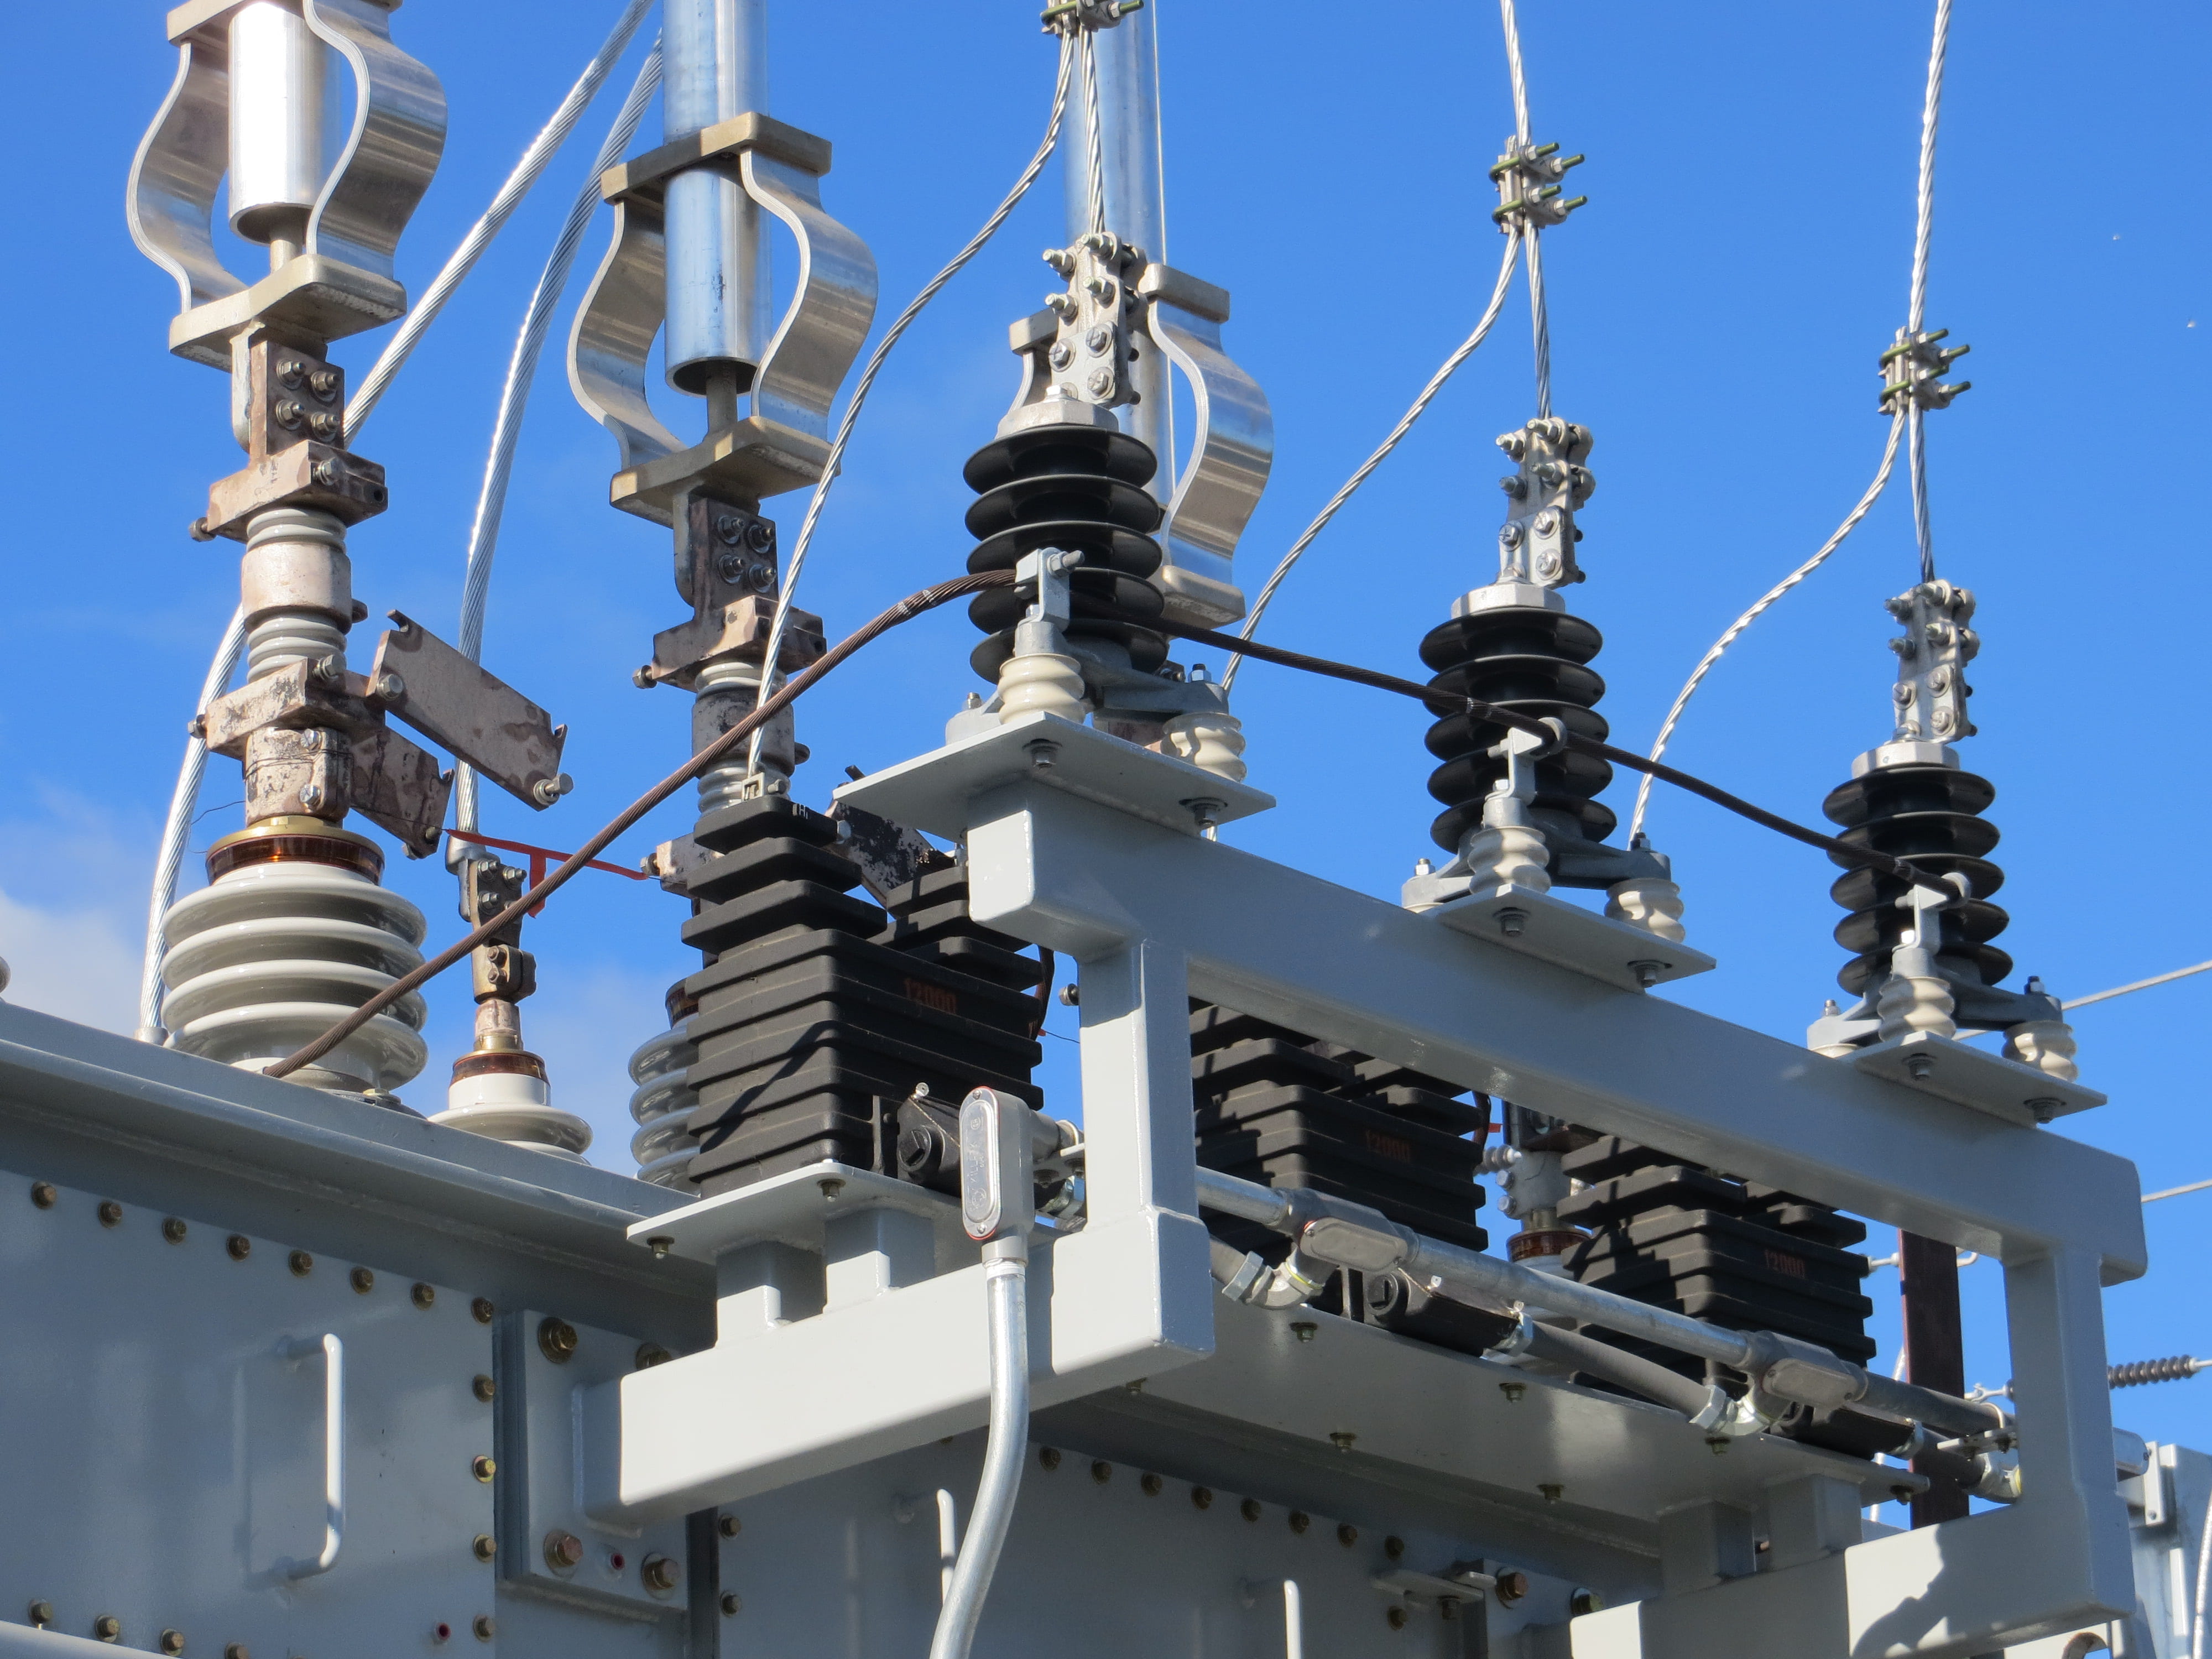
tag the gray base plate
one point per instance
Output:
(1537, 925)
(1958, 1072)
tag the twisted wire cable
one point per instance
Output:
(1539, 320)
(514, 393)
(177, 829)
(534, 162)
(1282, 570)
(876, 359)
(1908, 420)
(1098, 145)
(1766, 601)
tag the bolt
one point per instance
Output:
(831, 1186)
(1071, 995)
(1510, 922)
(1303, 1329)
(660, 1244)
(483, 1388)
(197, 727)
(1201, 1497)
(483, 1467)
(1395, 1548)
(1149, 1485)
(1099, 337)
(1060, 260)
(1101, 382)
(323, 426)
(1249, 1509)
(564, 1551)
(289, 370)
(107, 1627)
(483, 1546)
(111, 1213)
(760, 535)
(1042, 753)
(1717, 1444)
(328, 472)
(642, 677)
(482, 1309)
(1062, 354)
(198, 531)
(1552, 1490)
(1920, 1065)
(484, 1627)
(289, 414)
(1510, 535)
(1347, 1534)
(729, 529)
(1342, 1439)
(390, 687)
(1585, 1601)
(1647, 973)
(236, 1651)
(730, 567)
(40, 1613)
(650, 1354)
(1512, 1586)
(557, 1340)
(1545, 522)
(661, 1573)
(1102, 1471)
(1100, 289)
(1047, 1458)
(760, 575)
(324, 383)
(174, 1230)
(1397, 1618)
(546, 791)
(729, 1526)
(240, 1247)
(731, 1605)
(423, 1295)
(1513, 1391)
(173, 1641)
(362, 1280)
(44, 1194)
(1299, 1520)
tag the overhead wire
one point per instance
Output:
(1906, 415)
(555, 133)
(805, 540)
(1540, 322)
(906, 609)
(514, 393)
(2140, 985)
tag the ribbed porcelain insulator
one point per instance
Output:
(662, 1105)
(513, 1107)
(271, 955)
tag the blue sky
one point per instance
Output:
(1717, 313)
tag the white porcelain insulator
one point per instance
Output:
(1916, 1002)
(514, 1107)
(1041, 682)
(1651, 903)
(271, 955)
(2046, 1044)
(1210, 740)
(1508, 855)
(664, 1102)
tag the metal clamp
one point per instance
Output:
(333, 1354)
(1912, 371)
(341, 282)
(783, 443)
(1528, 180)
(1230, 460)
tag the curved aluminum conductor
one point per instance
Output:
(170, 199)
(341, 282)
(783, 442)
(1230, 460)
(612, 336)
(391, 153)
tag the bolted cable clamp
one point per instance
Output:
(1529, 188)
(1912, 371)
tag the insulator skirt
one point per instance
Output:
(1930, 817)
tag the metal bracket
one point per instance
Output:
(1235, 450)
(784, 443)
(1553, 929)
(341, 282)
(417, 677)
(1955, 1071)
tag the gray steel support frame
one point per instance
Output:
(1053, 860)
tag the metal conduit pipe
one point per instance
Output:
(1005, 1267)
(1353, 1235)
(1602, 1359)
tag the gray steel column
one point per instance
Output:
(1136, 205)
(716, 55)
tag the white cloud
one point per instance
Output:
(81, 964)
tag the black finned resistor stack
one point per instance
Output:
(1078, 488)
(816, 1022)
(1930, 816)
(1276, 1107)
(1534, 662)
(1732, 1253)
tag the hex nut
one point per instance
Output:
(362, 1281)
(650, 1354)
(1201, 1497)
(301, 1263)
(483, 1388)
(107, 1627)
(482, 1309)
(111, 1213)
(1249, 1509)
(1397, 1618)
(1300, 1519)
(661, 1573)
(44, 1194)
(1102, 1471)
(1049, 1458)
(731, 1604)
(172, 1642)
(423, 1296)
(483, 1467)
(1512, 1586)
(238, 1246)
(1303, 1329)
(174, 1230)
(483, 1546)
(40, 1613)
(557, 1340)
(1347, 1534)
(1151, 1484)
(484, 1627)
(236, 1651)
(1584, 1602)
(1394, 1548)
(564, 1551)
(729, 1526)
